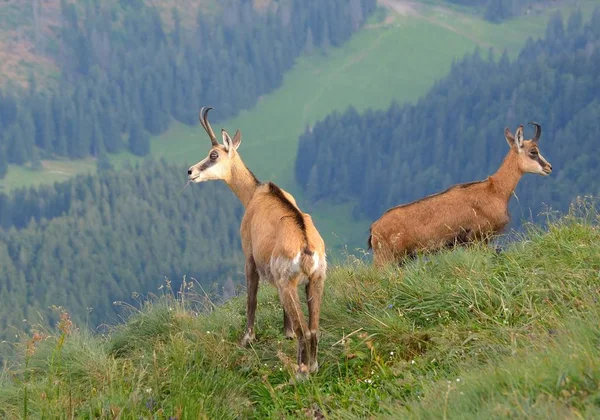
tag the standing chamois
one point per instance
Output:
(461, 214)
(281, 244)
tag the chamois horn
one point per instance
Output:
(203, 117)
(538, 131)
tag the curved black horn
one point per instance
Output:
(202, 116)
(538, 131)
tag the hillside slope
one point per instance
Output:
(455, 133)
(30, 34)
(463, 334)
(124, 75)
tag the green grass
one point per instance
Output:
(462, 334)
(52, 171)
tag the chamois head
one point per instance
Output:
(219, 162)
(530, 159)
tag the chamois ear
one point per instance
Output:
(519, 137)
(510, 139)
(237, 139)
(227, 142)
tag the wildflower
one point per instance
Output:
(391, 353)
(31, 343)
(65, 325)
(457, 379)
(412, 362)
(148, 390)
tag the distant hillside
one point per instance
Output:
(455, 133)
(463, 334)
(30, 33)
(125, 72)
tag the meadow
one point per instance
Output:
(467, 333)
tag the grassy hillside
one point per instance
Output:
(398, 56)
(464, 334)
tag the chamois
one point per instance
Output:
(461, 214)
(280, 243)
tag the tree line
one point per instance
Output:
(124, 75)
(455, 132)
(500, 10)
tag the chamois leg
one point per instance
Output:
(252, 286)
(288, 328)
(314, 295)
(288, 294)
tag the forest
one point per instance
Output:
(455, 133)
(94, 240)
(124, 74)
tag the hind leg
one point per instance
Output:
(314, 295)
(288, 294)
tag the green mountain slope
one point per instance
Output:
(398, 58)
(395, 57)
(455, 132)
(464, 334)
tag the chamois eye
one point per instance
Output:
(533, 153)
(214, 155)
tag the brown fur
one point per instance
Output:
(461, 214)
(281, 245)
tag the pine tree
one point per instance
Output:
(3, 163)
(139, 139)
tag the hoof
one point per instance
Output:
(290, 335)
(301, 373)
(248, 339)
(314, 367)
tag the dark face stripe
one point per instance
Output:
(207, 165)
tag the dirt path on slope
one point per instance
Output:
(409, 8)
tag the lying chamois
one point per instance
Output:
(463, 213)
(281, 244)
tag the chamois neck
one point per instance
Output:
(507, 177)
(242, 182)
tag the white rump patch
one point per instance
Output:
(319, 264)
(315, 263)
(285, 268)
